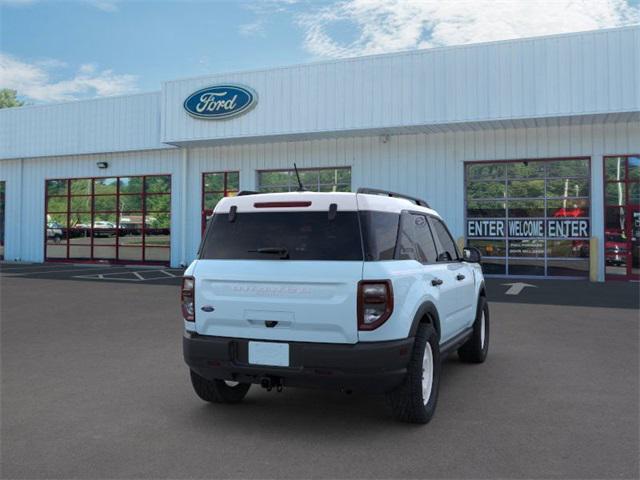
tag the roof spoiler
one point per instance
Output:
(387, 193)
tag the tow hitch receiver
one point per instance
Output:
(270, 383)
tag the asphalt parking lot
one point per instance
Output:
(93, 386)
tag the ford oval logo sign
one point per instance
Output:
(220, 102)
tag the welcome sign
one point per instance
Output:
(528, 228)
(220, 102)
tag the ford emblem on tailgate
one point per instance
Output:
(220, 101)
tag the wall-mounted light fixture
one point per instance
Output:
(102, 164)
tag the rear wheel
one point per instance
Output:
(415, 400)
(219, 391)
(476, 348)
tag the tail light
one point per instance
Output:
(187, 298)
(375, 303)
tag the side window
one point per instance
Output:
(379, 234)
(447, 250)
(415, 241)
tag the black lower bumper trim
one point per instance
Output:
(365, 366)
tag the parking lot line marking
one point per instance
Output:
(138, 275)
(169, 274)
(59, 270)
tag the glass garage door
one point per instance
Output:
(622, 217)
(2, 220)
(215, 186)
(116, 219)
(530, 218)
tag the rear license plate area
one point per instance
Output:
(269, 353)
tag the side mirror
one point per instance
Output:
(471, 255)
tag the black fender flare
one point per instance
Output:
(482, 291)
(426, 309)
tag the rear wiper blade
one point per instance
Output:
(283, 252)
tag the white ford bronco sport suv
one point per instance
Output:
(361, 291)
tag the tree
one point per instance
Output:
(8, 98)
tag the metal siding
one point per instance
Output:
(557, 76)
(92, 126)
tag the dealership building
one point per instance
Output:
(529, 149)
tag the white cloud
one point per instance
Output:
(35, 82)
(252, 28)
(390, 25)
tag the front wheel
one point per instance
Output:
(218, 391)
(476, 348)
(415, 400)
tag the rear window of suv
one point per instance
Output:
(283, 235)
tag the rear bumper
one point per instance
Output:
(370, 367)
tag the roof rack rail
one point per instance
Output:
(387, 193)
(242, 193)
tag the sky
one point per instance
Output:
(54, 50)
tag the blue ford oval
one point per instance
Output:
(220, 101)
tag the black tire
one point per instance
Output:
(217, 391)
(475, 349)
(407, 401)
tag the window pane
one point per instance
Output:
(104, 220)
(379, 231)
(564, 268)
(526, 248)
(80, 220)
(447, 244)
(268, 179)
(309, 178)
(525, 169)
(525, 208)
(344, 176)
(158, 184)
(214, 182)
(211, 200)
(233, 181)
(615, 193)
(634, 168)
(486, 189)
(130, 203)
(105, 203)
(158, 220)
(489, 248)
(634, 193)
(80, 204)
(614, 168)
(486, 171)
(568, 248)
(493, 266)
(130, 237)
(568, 188)
(158, 203)
(57, 204)
(157, 238)
(329, 176)
(105, 186)
(56, 187)
(304, 235)
(80, 252)
(57, 250)
(152, 254)
(130, 185)
(568, 168)
(57, 220)
(614, 218)
(485, 209)
(133, 254)
(414, 240)
(526, 267)
(56, 233)
(104, 252)
(568, 208)
(81, 186)
(526, 188)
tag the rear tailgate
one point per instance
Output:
(301, 301)
(281, 267)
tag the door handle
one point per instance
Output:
(460, 277)
(436, 281)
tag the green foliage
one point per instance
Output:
(8, 98)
